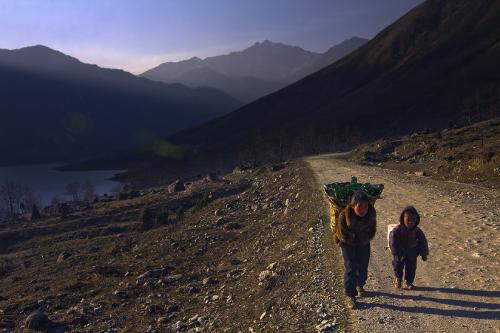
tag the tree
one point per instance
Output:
(11, 198)
(73, 191)
(88, 191)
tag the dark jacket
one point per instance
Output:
(351, 229)
(406, 242)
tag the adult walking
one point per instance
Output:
(354, 230)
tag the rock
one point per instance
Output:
(235, 273)
(153, 309)
(420, 173)
(153, 274)
(180, 326)
(276, 167)
(264, 275)
(241, 168)
(194, 290)
(173, 308)
(172, 278)
(234, 261)
(221, 221)
(325, 327)
(163, 320)
(37, 321)
(209, 281)
(233, 226)
(63, 256)
(218, 212)
(177, 186)
(278, 204)
(193, 320)
(272, 266)
(212, 177)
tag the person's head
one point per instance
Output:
(360, 203)
(409, 217)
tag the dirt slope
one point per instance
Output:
(459, 286)
(247, 258)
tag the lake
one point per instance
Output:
(48, 183)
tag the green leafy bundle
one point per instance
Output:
(341, 192)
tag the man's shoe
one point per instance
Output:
(360, 291)
(397, 283)
(351, 303)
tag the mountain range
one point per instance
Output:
(55, 108)
(436, 66)
(253, 72)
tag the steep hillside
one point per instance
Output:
(437, 64)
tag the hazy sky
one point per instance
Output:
(136, 35)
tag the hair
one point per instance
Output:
(410, 210)
(359, 197)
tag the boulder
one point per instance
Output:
(177, 186)
(37, 321)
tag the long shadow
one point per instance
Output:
(469, 292)
(495, 315)
(447, 301)
(482, 293)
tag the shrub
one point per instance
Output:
(147, 218)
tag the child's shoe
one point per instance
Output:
(351, 303)
(397, 283)
(360, 291)
(409, 286)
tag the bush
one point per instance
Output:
(162, 218)
(123, 195)
(147, 218)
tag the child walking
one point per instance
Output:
(355, 229)
(407, 241)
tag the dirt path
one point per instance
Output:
(458, 288)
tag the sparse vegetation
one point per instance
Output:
(467, 154)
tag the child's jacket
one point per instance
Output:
(352, 230)
(409, 243)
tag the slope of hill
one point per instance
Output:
(254, 72)
(437, 64)
(467, 154)
(228, 255)
(56, 108)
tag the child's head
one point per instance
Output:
(360, 203)
(409, 217)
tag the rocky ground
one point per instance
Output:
(469, 154)
(458, 288)
(250, 251)
(246, 252)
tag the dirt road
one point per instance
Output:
(458, 288)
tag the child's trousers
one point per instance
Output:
(356, 260)
(408, 264)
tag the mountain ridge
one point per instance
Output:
(266, 65)
(88, 110)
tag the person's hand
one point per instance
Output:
(424, 258)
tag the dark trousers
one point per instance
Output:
(356, 260)
(408, 264)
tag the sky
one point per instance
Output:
(136, 35)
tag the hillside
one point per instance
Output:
(468, 154)
(55, 108)
(253, 72)
(220, 256)
(435, 66)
